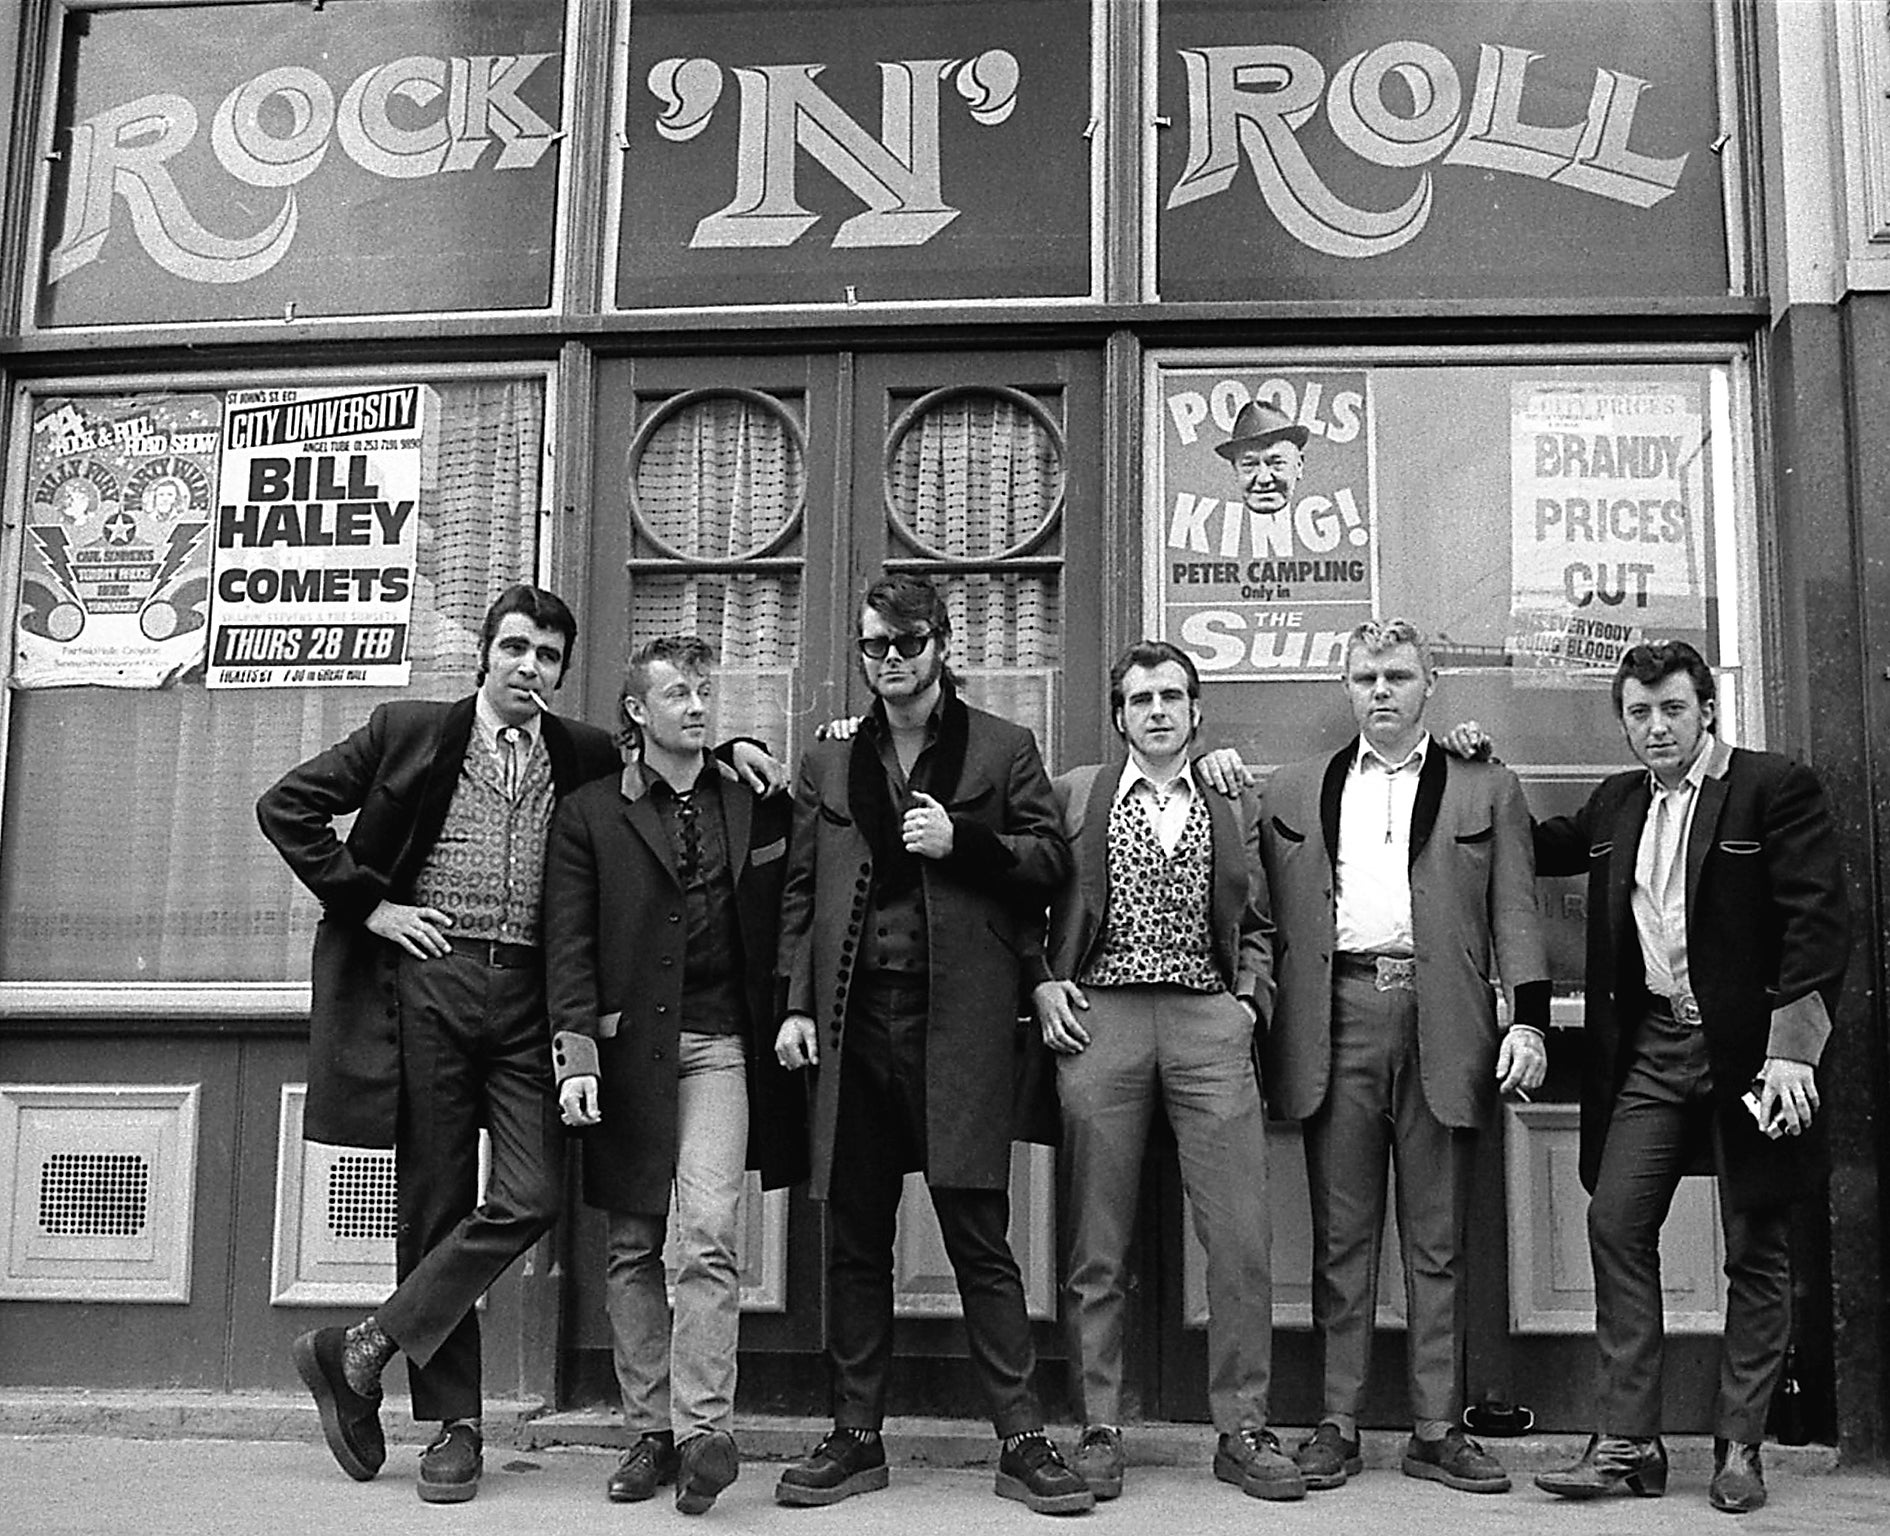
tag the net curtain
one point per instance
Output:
(130, 844)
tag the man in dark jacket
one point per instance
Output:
(1718, 934)
(921, 848)
(662, 914)
(427, 1016)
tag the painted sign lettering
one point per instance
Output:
(1250, 103)
(470, 104)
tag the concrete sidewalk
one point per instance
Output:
(88, 1485)
(199, 1464)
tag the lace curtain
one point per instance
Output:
(977, 475)
(131, 849)
(721, 477)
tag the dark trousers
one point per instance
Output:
(879, 1138)
(1663, 1117)
(473, 1053)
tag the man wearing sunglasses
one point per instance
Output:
(919, 849)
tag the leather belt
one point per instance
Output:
(498, 956)
(1389, 973)
(1681, 1009)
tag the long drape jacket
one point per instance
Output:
(398, 772)
(1008, 856)
(1768, 937)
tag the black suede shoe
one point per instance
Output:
(705, 1465)
(842, 1465)
(1613, 1466)
(1033, 1472)
(1738, 1485)
(647, 1465)
(450, 1467)
(351, 1423)
(1326, 1458)
(1456, 1461)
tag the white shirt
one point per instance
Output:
(1659, 900)
(1165, 802)
(1373, 907)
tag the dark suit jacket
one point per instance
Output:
(1473, 902)
(616, 930)
(399, 772)
(1008, 855)
(1241, 929)
(1768, 937)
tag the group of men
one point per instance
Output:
(538, 929)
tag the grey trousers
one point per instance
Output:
(1375, 1110)
(1195, 1051)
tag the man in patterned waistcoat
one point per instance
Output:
(427, 1017)
(1157, 976)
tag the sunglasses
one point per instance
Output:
(909, 646)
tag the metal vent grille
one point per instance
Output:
(97, 1191)
(361, 1197)
(94, 1194)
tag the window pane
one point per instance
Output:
(131, 849)
(1533, 515)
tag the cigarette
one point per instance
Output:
(1523, 1094)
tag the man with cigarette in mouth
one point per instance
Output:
(427, 1018)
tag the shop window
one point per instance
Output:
(1534, 511)
(718, 498)
(975, 479)
(131, 852)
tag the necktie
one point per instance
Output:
(511, 759)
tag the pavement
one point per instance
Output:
(199, 1464)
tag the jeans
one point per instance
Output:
(678, 1372)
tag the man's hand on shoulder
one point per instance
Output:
(760, 770)
(1223, 770)
(1470, 741)
(843, 729)
(421, 931)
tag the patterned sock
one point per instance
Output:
(1011, 1442)
(365, 1351)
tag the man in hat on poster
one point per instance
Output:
(1268, 452)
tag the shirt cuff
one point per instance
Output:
(1530, 1007)
(1799, 1030)
(573, 1055)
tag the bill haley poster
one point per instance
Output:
(1263, 536)
(114, 584)
(316, 529)
(1609, 522)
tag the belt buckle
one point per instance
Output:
(1395, 973)
(1686, 1010)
